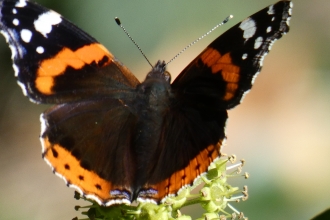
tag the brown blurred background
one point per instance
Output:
(282, 129)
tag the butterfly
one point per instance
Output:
(115, 139)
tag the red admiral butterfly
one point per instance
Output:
(117, 140)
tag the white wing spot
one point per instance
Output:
(273, 18)
(290, 9)
(288, 21)
(16, 70)
(258, 42)
(261, 59)
(20, 4)
(26, 35)
(22, 87)
(45, 22)
(244, 56)
(271, 10)
(291, 5)
(249, 28)
(40, 50)
(254, 77)
(269, 29)
(43, 126)
(16, 22)
(14, 11)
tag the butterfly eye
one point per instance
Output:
(167, 76)
(159, 71)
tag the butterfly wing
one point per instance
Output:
(55, 61)
(89, 146)
(85, 136)
(213, 82)
(188, 143)
(225, 70)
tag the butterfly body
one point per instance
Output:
(114, 139)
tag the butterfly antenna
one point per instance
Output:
(200, 38)
(129, 36)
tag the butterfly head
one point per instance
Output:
(157, 85)
(159, 71)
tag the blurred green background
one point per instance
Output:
(282, 129)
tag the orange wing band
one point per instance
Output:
(229, 72)
(186, 176)
(57, 65)
(65, 164)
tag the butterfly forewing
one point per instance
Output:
(225, 70)
(55, 61)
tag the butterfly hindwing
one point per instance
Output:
(188, 143)
(89, 146)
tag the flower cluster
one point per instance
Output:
(215, 197)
